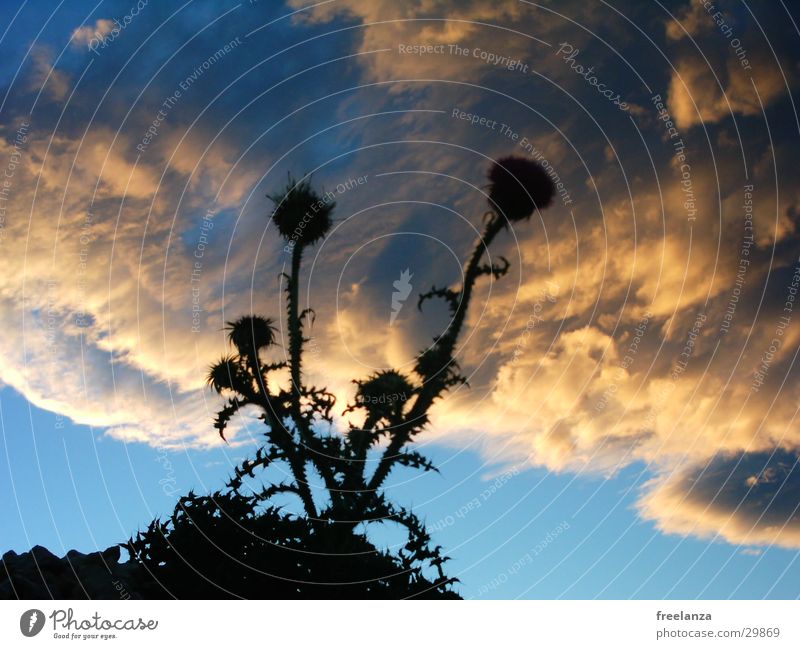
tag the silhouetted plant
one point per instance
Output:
(237, 542)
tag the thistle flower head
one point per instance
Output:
(302, 216)
(384, 393)
(518, 187)
(223, 374)
(251, 333)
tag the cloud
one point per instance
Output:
(603, 346)
(696, 97)
(627, 362)
(750, 498)
(85, 321)
(481, 25)
(44, 78)
(85, 34)
(692, 20)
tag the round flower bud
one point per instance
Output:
(302, 216)
(518, 187)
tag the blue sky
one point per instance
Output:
(73, 488)
(628, 478)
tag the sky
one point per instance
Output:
(629, 426)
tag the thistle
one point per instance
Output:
(251, 333)
(518, 187)
(384, 394)
(302, 216)
(241, 535)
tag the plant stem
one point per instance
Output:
(307, 438)
(417, 416)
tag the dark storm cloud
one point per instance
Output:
(749, 498)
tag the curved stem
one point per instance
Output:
(417, 415)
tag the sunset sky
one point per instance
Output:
(629, 429)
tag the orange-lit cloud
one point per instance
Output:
(577, 359)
